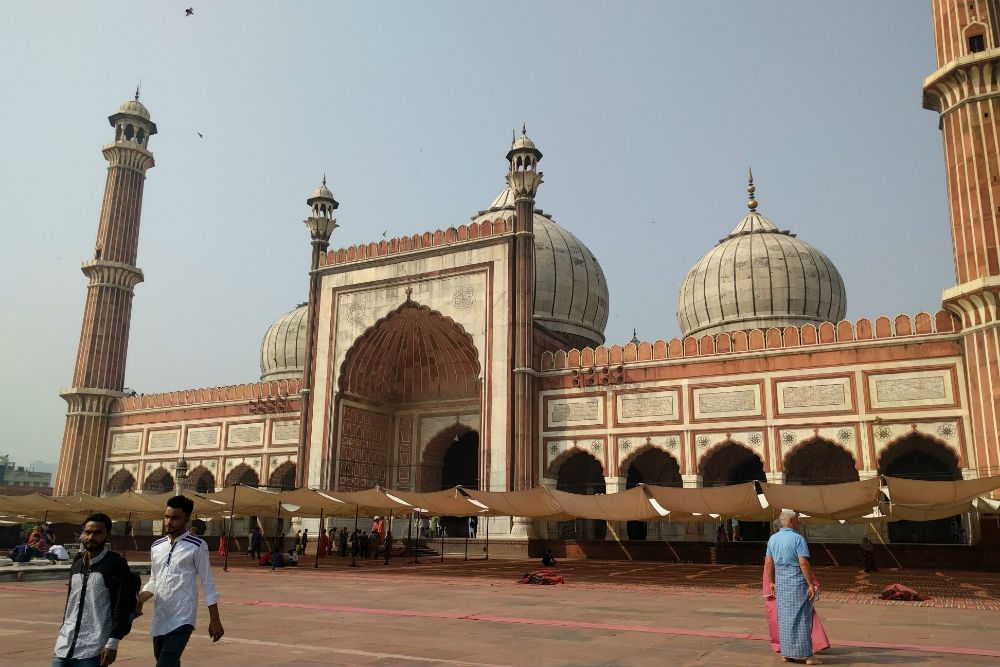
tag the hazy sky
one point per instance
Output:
(648, 114)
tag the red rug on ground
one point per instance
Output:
(903, 593)
(541, 577)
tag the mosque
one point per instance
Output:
(475, 355)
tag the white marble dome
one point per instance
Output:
(283, 350)
(571, 293)
(134, 108)
(759, 277)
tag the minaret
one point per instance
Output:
(321, 225)
(965, 91)
(523, 179)
(99, 376)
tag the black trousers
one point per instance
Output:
(167, 649)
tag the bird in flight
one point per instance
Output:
(189, 11)
(384, 233)
(201, 135)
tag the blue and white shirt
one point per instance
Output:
(176, 567)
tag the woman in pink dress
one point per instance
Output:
(820, 641)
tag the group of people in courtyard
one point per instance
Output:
(105, 596)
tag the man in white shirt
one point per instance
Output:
(178, 561)
(57, 552)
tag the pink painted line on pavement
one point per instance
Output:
(950, 650)
(922, 648)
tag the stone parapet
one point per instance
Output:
(827, 333)
(417, 242)
(256, 391)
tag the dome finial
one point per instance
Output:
(524, 129)
(752, 203)
(324, 178)
(635, 338)
(137, 87)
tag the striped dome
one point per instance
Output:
(283, 350)
(571, 293)
(759, 277)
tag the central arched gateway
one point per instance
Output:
(399, 381)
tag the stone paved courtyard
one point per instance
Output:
(472, 613)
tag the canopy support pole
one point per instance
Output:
(468, 529)
(279, 544)
(487, 537)
(322, 531)
(416, 549)
(355, 544)
(131, 531)
(409, 534)
(232, 511)
(440, 528)
(887, 549)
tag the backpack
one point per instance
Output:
(133, 586)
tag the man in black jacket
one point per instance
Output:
(99, 603)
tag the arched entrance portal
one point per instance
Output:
(819, 461)
(649, 466)
(451, 459)
(582, 473)
(917, 456)
(732, 463)
(414, 361)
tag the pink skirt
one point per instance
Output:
(820, 641)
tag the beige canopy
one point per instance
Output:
(449, 502)
(534, 503)
(827, 501)
(36, 507)
(923, 492)
(738, 501)
(630, 505)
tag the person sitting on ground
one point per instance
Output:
(292, 559)
(57, 552)
(548, 560)
(23, 553)
(265, 559)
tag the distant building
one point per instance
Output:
(17, 480)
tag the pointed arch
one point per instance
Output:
(159, 481)
(555, 465)
(283, 476)
(580, 472)
(917, 455)
(819, 461)
(120, 482)
(200, 480)
(242, 474)
(650, 464)
(730, 462)
(435, 453)
(412, 354)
